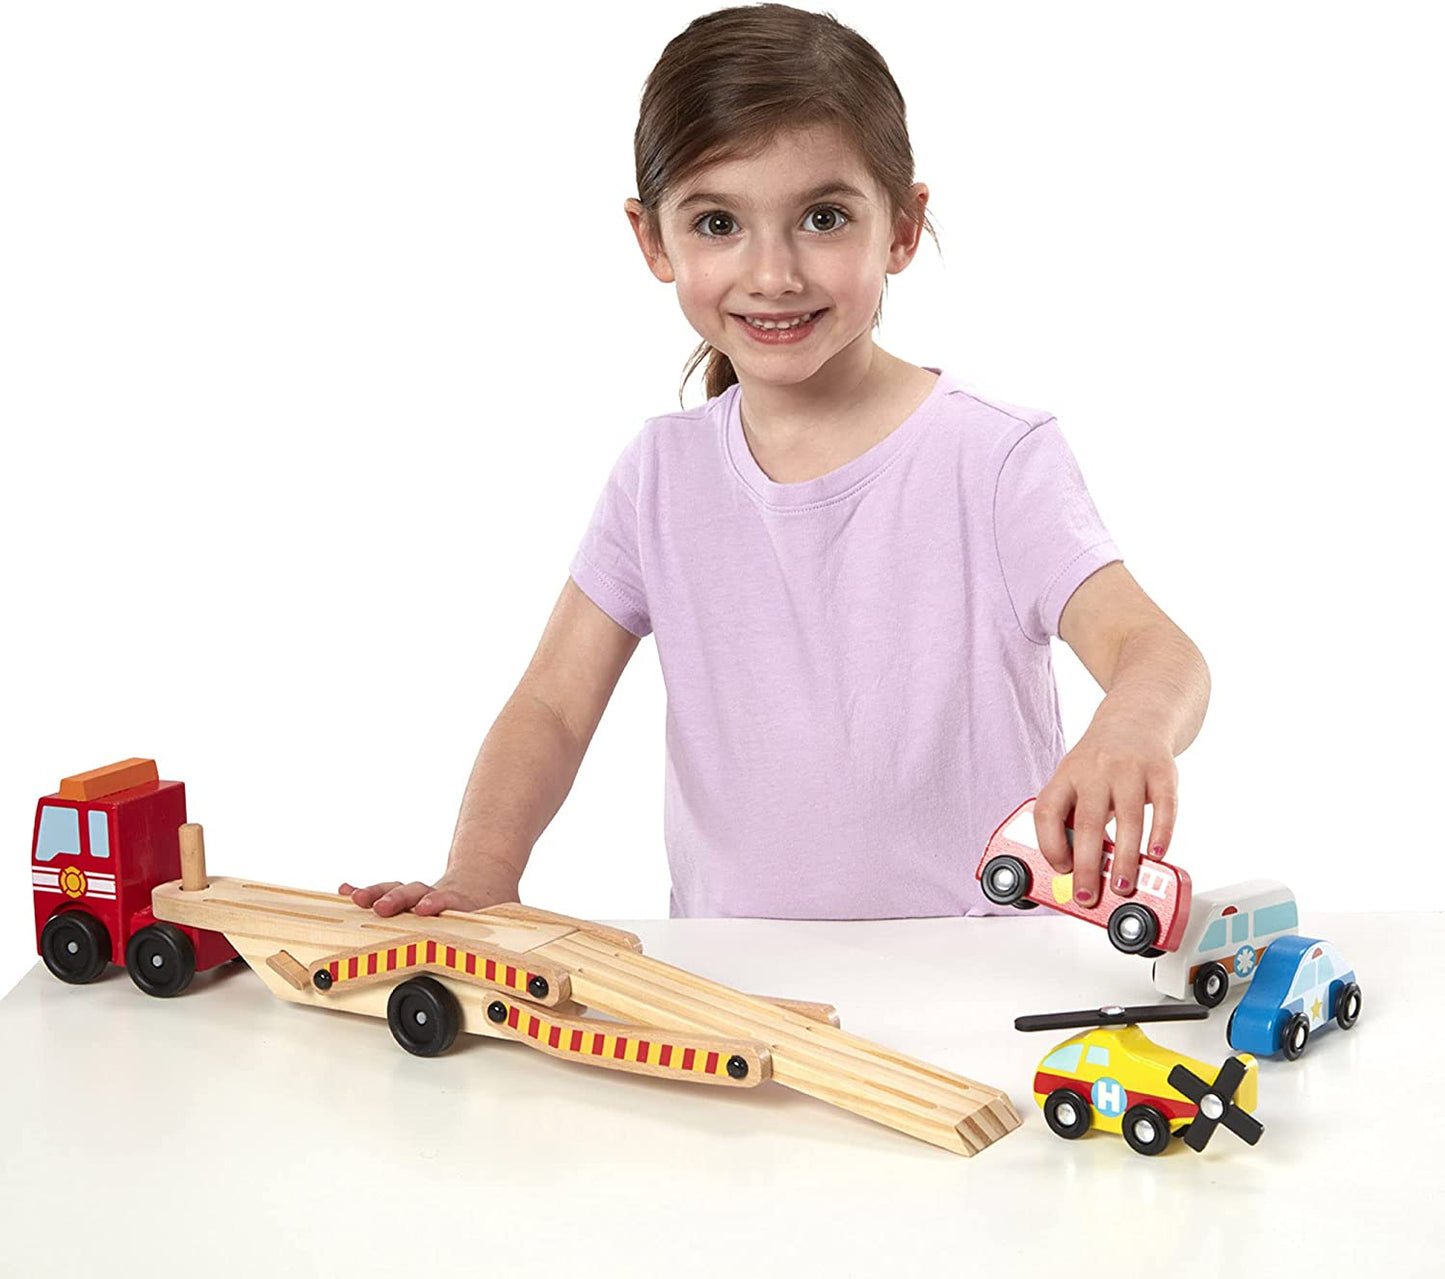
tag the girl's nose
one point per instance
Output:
(771, 266)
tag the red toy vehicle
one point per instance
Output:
(101, 843)
(1014, 872)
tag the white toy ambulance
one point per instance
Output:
(1228, 930)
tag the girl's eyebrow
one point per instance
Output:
(817, 193)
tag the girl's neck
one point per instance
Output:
(798, 433)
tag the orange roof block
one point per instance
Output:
(108, 780)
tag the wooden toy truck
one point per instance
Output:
(119, 876)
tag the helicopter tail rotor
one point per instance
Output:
(1216, 1104)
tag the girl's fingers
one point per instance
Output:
(1090, 815)
(352, 891)
(437, 901)
(1052, 810)
(1128, 827)
(401, 897)
(391, 897)
(1166, 808)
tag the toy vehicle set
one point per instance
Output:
(118, 875)
(1113, 1077)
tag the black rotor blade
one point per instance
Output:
(1184, 1080)
(1242, 1124)
(1197, 1135)
(1228, 1079)
(1111, 1015)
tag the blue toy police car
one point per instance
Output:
(1301, 985)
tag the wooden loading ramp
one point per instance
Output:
(823, 1061)
(515, 972)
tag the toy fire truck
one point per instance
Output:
(102, 842)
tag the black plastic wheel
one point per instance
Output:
(1211, 985)
(1296, 1036)
(75, 946)
(1152, 953)
(1067, 1113)
(160, 960)
(1229, 1027)
(1347, 1006)
(1006, 880)
(1146, 1130)
(1133, 928)
(423, 1016)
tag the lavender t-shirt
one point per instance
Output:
(859, 685)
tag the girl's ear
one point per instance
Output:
(907, 234)
(653, 252)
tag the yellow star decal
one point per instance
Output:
(1315, 1008)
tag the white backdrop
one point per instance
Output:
(323, 324)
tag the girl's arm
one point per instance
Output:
(1156, 686)
(526, 765)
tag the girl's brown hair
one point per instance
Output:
(733, 80)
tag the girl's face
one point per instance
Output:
(800, 227)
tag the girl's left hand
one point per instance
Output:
(1116, 768)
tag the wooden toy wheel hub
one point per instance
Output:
(424, 1016)
(1006, 881)
(1133, 928)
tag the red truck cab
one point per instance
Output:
(102, 842)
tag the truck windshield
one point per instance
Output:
(59, 833)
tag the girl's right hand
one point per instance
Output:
(450, 892)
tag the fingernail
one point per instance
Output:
(1121, 884)
(1084, 895)
(1158, 850)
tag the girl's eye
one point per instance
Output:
(832, 209)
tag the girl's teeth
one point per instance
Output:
(788, 324)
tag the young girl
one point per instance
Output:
(852, 565)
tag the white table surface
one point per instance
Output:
(279, 1139)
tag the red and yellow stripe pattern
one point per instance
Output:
(631, 1047)
(442, 957)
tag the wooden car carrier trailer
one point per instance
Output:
(513, 972)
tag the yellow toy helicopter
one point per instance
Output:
(1115, 1078)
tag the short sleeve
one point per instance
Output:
(608, 563)
(1049, 536)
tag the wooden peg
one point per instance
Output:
(193, 858)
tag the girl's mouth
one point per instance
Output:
(782, 337)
